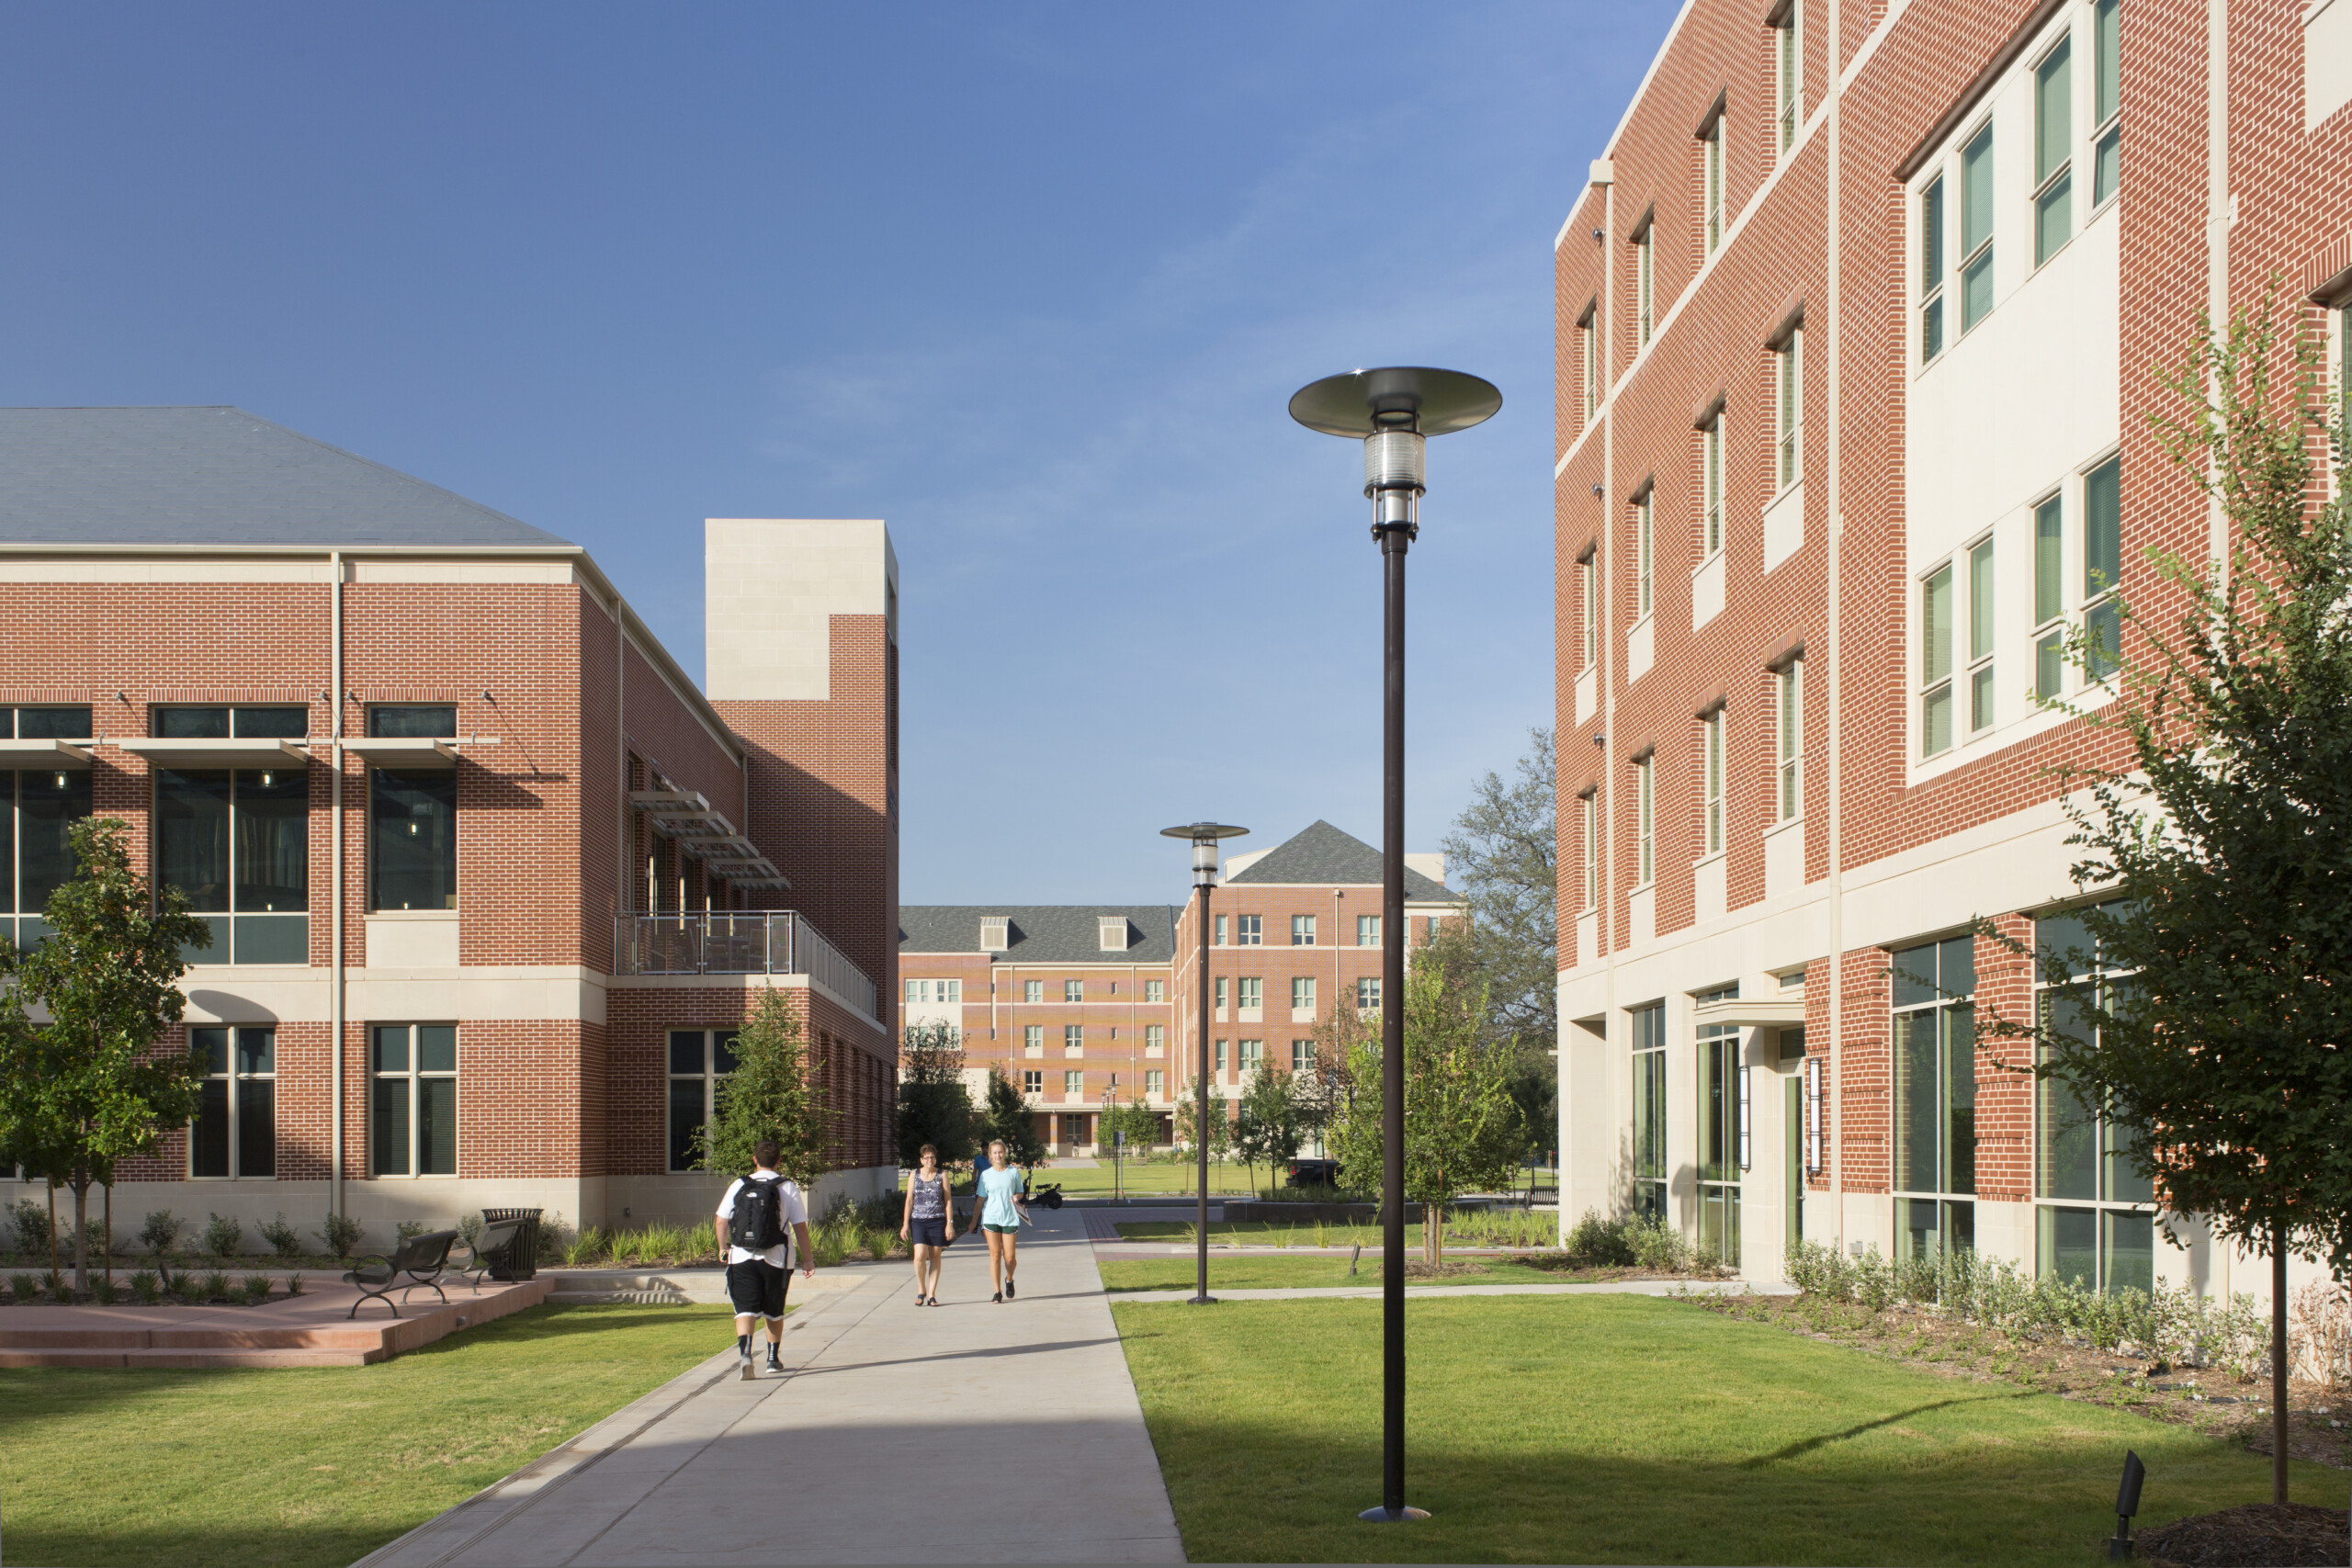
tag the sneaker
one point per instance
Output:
(775, 1365)
(1008, 1286)
(744, 1359)
(997, 1299)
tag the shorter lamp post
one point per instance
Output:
(1110, 1124)
(1205, 836)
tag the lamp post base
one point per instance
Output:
(1392, 1517)
(1200, 1300)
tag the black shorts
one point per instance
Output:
(757, 1289)
(927, 1232)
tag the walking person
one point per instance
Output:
(759, 1222)
(1003, 1208)
(927, 1224)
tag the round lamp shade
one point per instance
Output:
(1407, 397)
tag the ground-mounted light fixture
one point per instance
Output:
(1205, 836)
(2127, 1504)
(1394, 411)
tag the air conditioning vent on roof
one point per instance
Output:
(993, 933)
(1113, 933)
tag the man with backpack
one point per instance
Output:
(759, 1220)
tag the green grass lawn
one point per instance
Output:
(1472, 1230)
(1631, 1430)
(314, 1465)
(1146, 1179)
(1261, 1271)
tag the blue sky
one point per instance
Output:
(1032, 282)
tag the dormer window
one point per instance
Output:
(993, 933)
(1112, 933)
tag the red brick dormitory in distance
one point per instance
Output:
(490, 882)
(1859, 318)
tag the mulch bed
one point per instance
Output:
(2259, 1535)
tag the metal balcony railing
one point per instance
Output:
(752, 942)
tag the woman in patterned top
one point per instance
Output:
(925, 1223)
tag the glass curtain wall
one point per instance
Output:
(2095, 1222)
(1649, 1110)
(1935, 1098)
(1722, 1136)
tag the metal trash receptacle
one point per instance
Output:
(519, 1259)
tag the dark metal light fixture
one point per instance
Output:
(1393, 413)
(1205, 836)
(2127, 1504)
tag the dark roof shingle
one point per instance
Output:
(1322, 854)
(1042, 933)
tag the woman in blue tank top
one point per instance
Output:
(1002, 1211)
(926, 1224)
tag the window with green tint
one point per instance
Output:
(1723, 1133)
(1935, 1093)
(413, 1100)
(2103, 568)
(2054, 151)
(1931, 271)
(1935, 663)
(1792, 407)
(1980, 635)
(1787, 59)
(436, 719)
(1649, 1033)
(2103, 1236)
(1976, 202)
(2049, 557)
(2107, 102)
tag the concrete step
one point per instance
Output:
(311, 1330)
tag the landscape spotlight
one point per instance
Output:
(2127, 1504)
(1205, 836)
(1393, 413)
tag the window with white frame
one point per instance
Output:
(1251, 990)
(1710, 182)
(929, 992)
(1367, 931)
(1154, 1084)
(1220, 1056)
(1644, 282)
(1302, 930)
(1154, 990)
(1788, 90)
(413, 1097)
(2049, 597)
(1033, 1039)
(1644, 552)
(1367, 993)
(1712, 732)
(1221, 983)
(1589, 829)
(2107, 104)
(1789, 405)
(2102, 570)
(1073, 991)
(1220, 930)
(2053, 150)
(1935, 662)
(1073, 1039)
(1980, 636)
(1711, 484)
(235, 1130)
(1253, 1054)
(1033, 990)
(1789, 763)
(1931, 270)
(2094, 1221)
(1302, 993)
(1302, 1056)
(1645, 822)
(1976, 206)
(1253, 931)
(1155, 1038)
(1588, 610)
(1588, 363)
(1032, 1080)
(1074, 1084)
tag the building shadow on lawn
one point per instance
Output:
(253, 1545)
(575, 1320)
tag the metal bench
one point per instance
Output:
(488, 1250)
(421, 1258)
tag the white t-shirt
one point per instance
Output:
(794, 1213)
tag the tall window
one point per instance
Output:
(1588, 611)
(2107, 104)
(1073, 991)
(1723, 1132)
(1644, 283)
(1980, 637)
(1154, 1084)
(1220, 1056)
(1155, 1038)
(413, 1103)
(1368, 993)
(413, 838)
(1073, 1039)
(1302, 1056)
(1788, 94)
(2053, 151)
(1220, 993)
(238, 845)
(36, 810)
(1935, 663)
(1789, 370)
(1587, 823)
(1154, 990)
(2094, 1224)
(2103, 568)
(1712, 728)
(1302, 930)
(235, 1131)
(1252, 991)
(1367, 931)
(1033, 1039)
(1710, 177)
(1976, 229)
(1253, 931)
(1645, 822)
(1302, 993)
(2049, 597)
(700, 1060)
(1711, 485)
(1033, 990)
(1788, 691)
(1931, 270)
(1648, 1031)
(1935, 1098)
(1644, 553)
(1588, 363)
(1220, 931)
(1074, 1084)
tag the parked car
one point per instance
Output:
(1315, 1173)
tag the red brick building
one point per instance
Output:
(491, 881)
(1858, 323)
(1084, 1004)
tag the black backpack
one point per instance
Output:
(758, 1223)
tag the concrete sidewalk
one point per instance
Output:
(969, 1433)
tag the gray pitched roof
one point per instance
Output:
(1042, 933)
(218, 476)
(1321, 852)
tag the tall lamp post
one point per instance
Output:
(1205, 836)
(1393, 413)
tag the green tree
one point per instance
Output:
(1218, 1126)
(768, 1096)
(1139, 1121)
(1462, 1132)
(1008, 1117)
(935, 1107)
(1504, 856)
(1265, 1122)
(91, 1088)
(2221, 828)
